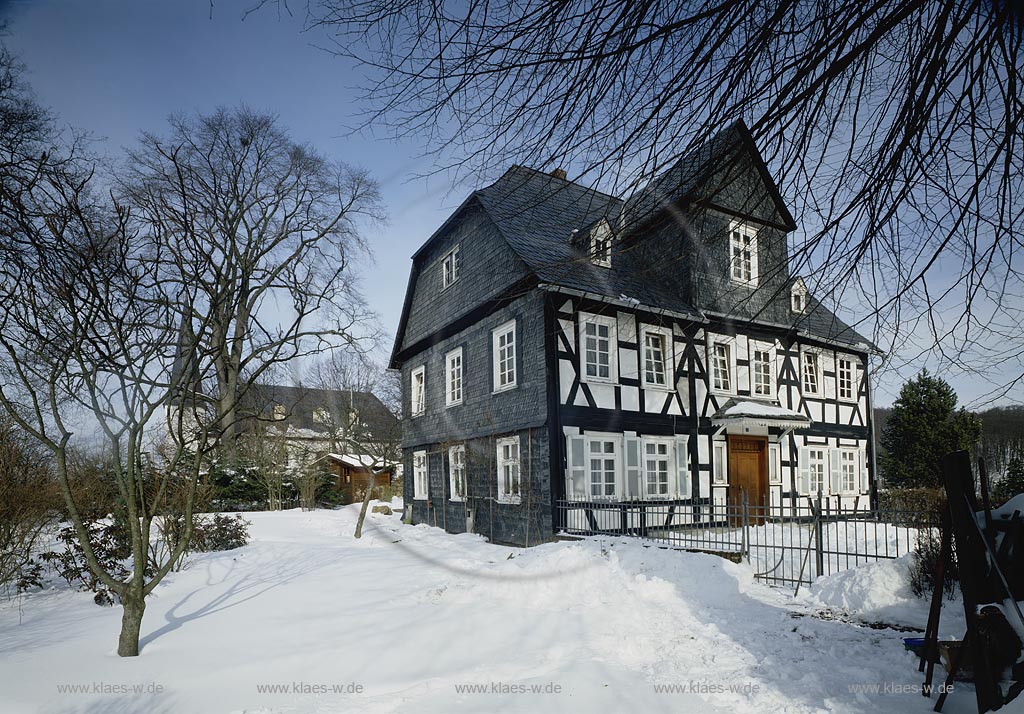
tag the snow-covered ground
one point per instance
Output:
(413, 617)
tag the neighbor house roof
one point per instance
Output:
(300, 403)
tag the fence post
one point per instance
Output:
(819, 555)
(745, 543)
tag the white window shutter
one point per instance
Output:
(576, 467)
(805, 473)
(682, 470)
(754, 273)
(835, 471)
(634, 486)
(862, 456)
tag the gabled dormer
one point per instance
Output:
(798, 297)
(600, 244)
(596, 242)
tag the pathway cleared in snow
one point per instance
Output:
(421, 621)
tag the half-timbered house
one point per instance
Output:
(558, 344)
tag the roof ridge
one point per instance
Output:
(548, 175)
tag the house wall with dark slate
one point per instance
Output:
(526, 523)
(712, 288)
(488, 268)
(482, 417)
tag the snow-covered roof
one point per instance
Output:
(358, 460)
(758, 413)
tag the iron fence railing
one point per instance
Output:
(787, 544)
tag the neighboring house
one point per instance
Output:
(560, 344)
(354, 473)
(315, 422)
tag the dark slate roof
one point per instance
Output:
(819, 321)
(301, 402)
(687, 176)
(540, 216)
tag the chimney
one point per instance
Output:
(559, 174)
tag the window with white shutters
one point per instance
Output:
(602, 467)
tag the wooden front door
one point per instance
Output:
(748, 469)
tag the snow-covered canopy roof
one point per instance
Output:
(751, 412)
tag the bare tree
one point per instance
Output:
(264, 231)
(86, 328)
(120, 315)
(892, 127)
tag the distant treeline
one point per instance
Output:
(1002, 435)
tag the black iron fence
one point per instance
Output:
(787, 544)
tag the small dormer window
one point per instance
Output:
(743, 253)
(450, 266)
(280, 412)
(798, 297)
(601, 244)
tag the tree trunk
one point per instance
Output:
(131, 623)
(366, 504)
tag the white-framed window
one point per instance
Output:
(457, 472)
(762, 370)
(509, 485)
(503, 343)
(721, 367)
(321, 416)
(774, 463)
(720, 473)
(419, 475)
(658, 471)
(657, 370)
(743, 253)
(418, 390)
(280, 412)
(817, 465)
(602, 467)
(601, 244)
(848, 471)
(811, 373)
(453, 377)
(844, 378)
(451, 264)
(598, 348)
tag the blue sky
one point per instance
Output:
(116, 67)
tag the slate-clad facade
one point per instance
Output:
(557, 343)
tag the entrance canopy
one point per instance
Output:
(751, 412)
